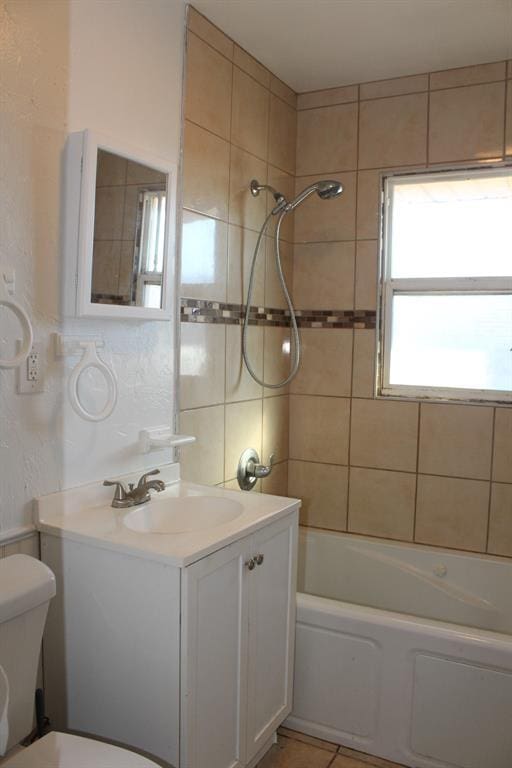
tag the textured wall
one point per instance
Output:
(69, 66)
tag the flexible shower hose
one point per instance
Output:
(295, 346)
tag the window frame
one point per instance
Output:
(389, 287)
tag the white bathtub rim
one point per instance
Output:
(354, 539)
(310, 606)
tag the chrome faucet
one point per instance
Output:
(135, 495)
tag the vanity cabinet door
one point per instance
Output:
(214, 658)
(272, 590)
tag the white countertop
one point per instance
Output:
(84, 514)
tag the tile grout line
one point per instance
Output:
(491, 469)
(418, 437)
(224, 467)
(427, 149)
(232, 61)
(356, 193)
(505, 106)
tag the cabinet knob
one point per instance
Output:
(251, 564)
(259, 559)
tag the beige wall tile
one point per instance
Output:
(323, 275)
(500, 521)
(326, 220)
(282, 135)
(249, 126)
(452, 512)
(275, 428)
(508, 129)
(393, 131)
(384, 434)
(381, 503)
(131, 200)
(285, 184)
(202, 364)
(106, 266)
(108, 218)
(455, 440)
(394, 87)
(328, 97)
(239, 383)
(243, 430)
(277, 482)
(126, 268)
(480, 73)
(363, 375)
(274, 296)
(283, 91)
(368, 202)
(276, 358)
(319, 428)
(208, 93)
(250, 65)
(323, 491)
(241, 245)
(502, 461)
(205, 172)
(209, 32)
(137, 173)
(204, 463)
(366, 274)
(244, 209)
(466, 123)
(110, 170)
(509, 69)
(326, 365)
(327, 140)
(204, 257)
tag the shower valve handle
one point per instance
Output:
(260, 470)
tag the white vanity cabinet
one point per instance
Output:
(186, 656)
(238, 627)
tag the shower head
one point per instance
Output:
(326, 189)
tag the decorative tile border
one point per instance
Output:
(202, 311)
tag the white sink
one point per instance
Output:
(183, 514)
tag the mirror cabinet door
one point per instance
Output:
(129, 245)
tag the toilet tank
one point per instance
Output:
(26, 588)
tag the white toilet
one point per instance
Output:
(26, 588)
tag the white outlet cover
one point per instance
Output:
(24, 384)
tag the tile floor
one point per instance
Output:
(296, 750)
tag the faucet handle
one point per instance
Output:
(142, 480)
(120, 492)
(262, 470)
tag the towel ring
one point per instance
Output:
(90, 359)
(28, 335)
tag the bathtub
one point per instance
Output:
(404, 652)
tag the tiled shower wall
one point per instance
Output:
(431, 473)
(240, 123)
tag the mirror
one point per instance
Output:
(129, 233)
(125, 230)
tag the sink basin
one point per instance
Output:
(183, 515)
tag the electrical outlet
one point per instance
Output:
(29, 375)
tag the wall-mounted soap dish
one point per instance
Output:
(157, 438)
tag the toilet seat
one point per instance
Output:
(61, 750)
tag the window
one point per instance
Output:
(151, 244)
(446, 285)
